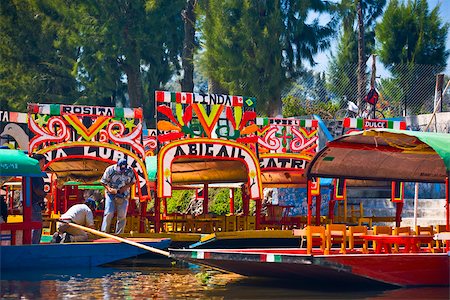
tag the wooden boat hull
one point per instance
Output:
(78, 255)
(423, 269)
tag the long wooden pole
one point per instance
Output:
(117, 238)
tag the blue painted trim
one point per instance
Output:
(73, 255)
(324, 128)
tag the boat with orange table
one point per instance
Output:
(398, 156)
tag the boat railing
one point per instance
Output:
(17, 233)
(363, 240)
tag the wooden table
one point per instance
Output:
(410, 242)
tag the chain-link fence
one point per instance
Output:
(402, 90)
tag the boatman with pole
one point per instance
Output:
(81, 214)
(117, 181)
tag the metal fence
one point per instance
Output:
(403, 90)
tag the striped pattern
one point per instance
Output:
(207, 99)
(269, 257)
(55, 110)
(359, 123)
(200, 255)
(15, 117)
(308, 123)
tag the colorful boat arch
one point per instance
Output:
(84, 140)
(285, 147)
(204, 148)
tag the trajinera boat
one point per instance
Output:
(16, 249)
(398, 259)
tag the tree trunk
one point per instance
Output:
(274, 107)
(361, 57)
(214, 87)
(187, 83)
(134, 84)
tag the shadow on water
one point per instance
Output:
(155, 278)
(56, 274)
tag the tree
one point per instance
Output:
(36, 59)
(342, 76)
(255, 48)
(189, 18)
(412, 46)
(134, 42)
(89, 52)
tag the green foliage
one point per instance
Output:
(88, 52)
(293, 106)
(342, 69)
(411, 37)
(37, 61)
(179, 201)
(255, 48)
(220, 201)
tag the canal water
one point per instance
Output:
(161, 279)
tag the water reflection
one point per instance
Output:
(164, 280)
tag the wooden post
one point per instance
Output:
(447, 204)
(258, 213)
(157, 214)
(165, 207)
(245, 201)
(205, 199)
(309, 200)
(232, 201)
(143, 216)
(26, 204)
(398, 213)
(318, 204)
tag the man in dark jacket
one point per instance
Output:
(37, 199)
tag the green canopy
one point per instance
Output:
(440, 142)
(96, 185)
(17, 163)
(151, 165)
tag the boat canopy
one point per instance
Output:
(385, 154)
(17, 163)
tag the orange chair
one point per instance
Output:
(336, 234)
(381, 230)
(401, 231)
(439, 243)
(365, 220)
(425, 230)
(313, 233)
(354, 237)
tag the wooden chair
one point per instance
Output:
(219, 224)
(354, 237)
(274, 217)
(401, 231)
(439, 243)
(250, 223)
(365, 220)
(381, 230)
(336, 234)
(230, 223)
(313, 233)
(426, 230)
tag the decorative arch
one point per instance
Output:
(210, 149)
(96, 151)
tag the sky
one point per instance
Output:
(323, 58)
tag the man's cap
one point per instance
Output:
(122, 162)
(91, 202)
